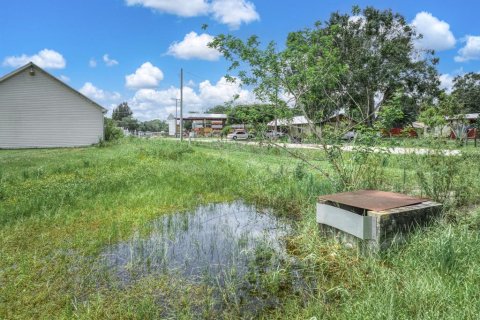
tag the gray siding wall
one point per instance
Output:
(37, 111)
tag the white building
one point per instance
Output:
(296, 126)
(38, 110)
(172, 125)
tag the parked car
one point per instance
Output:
(274, 134)
(238, 135)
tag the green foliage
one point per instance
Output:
(254, 114)
(177, 153)
(449, 105)
(361, 169)
(187, 125)
(225, 109)
(466, 89)
(121, 111)
(432, 117)
(225, 130)
(59, 208)
(156, 125)
(391, 113)
(129, 123)
(448, 179)
(111, 131)
(377, 47)
(436, 175)
(308, 65)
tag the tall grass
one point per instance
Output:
(59, 208)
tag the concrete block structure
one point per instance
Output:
(373, 221)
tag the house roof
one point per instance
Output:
(298, 120)
(419, 125)
(33, 65)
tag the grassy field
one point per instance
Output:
(59, 208)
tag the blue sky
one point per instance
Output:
(132, 50)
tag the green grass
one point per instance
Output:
(60, 207)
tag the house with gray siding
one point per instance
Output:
(37, 110)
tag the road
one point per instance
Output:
(347, 148)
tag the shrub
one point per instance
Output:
(112, 132)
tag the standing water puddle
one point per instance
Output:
(206, 243)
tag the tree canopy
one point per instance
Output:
(155, 125)
(466, 89)
(255, 114)
(355, 62)
(379, 49)
(121, 111)
(219, 109)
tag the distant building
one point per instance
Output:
(296, 126)
(203, 124)
(172, 125)
(463, 126)
(38, 110)
(301, 125)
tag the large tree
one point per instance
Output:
(255, 114)
(297, 74)
(353, 61)
(129, 123)
(219, 109)
(121, 111)
(466, 90)
(379, 49)
(155, 125)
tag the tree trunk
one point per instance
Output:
(370, 109)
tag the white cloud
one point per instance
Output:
(194, 46)
(46, 58)
(234, 12)
(446, 82)
(147, 76)
(150, 103)
(190, 8)
(92, 63)
(230, 12)
(99, 95)
(223, 91)
(109, 62)
(436, 33)
(471, 50)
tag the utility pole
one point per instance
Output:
(181, 104)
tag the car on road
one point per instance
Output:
(238, 135)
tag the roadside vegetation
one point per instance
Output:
(59, 209)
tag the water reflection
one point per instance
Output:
(209, 242)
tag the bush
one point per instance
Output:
(112, 132)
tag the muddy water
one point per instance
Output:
(207, 243)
